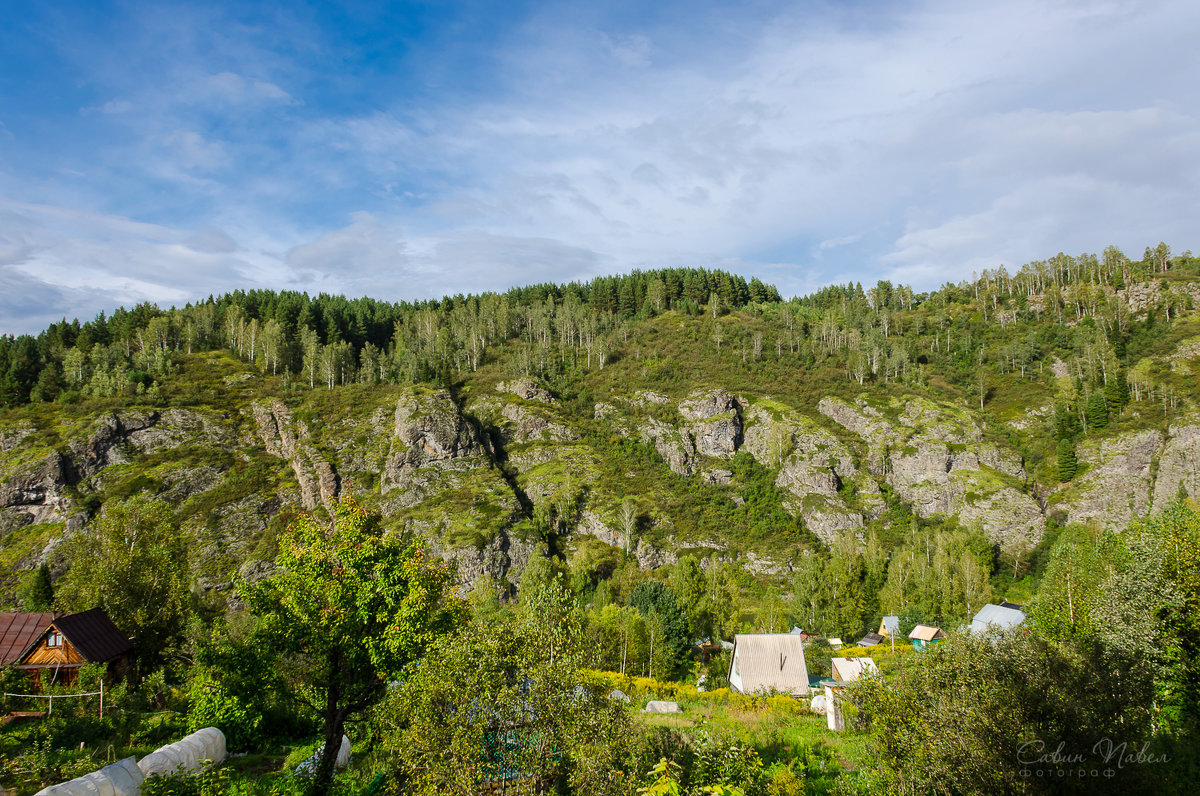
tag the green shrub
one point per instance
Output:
(212, 705)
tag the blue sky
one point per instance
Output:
(165, 151)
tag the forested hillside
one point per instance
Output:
(859, 450)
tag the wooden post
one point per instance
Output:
(832, 714)
(101, 697)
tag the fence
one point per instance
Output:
(52, 697)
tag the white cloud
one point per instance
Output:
(631, 51)
(816, 145)
(234, 88)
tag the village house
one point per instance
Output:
(924, 636)
(768, 663)
(889, 626)
(847, 670)
(869, 640)
(61, 643)
(1005, 616)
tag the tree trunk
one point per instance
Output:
(335, 719)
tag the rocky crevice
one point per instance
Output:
(282, 436)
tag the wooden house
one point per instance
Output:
(804, 635)
(768, 663)
(847, 670)
(889, 626)
(61, 643)
(924, 636)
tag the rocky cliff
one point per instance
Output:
(495, 477)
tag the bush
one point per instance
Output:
(212, 705)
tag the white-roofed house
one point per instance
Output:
(996, 616)
(768, 663)
(847, 670)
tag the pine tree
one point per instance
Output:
(1097, 411)
(1066, 421)
(1068, 465)
(38, 590)
(1116, 392)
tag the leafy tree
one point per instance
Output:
(509, 697)
(690, 588)
(975, 714)
(1066, 595)
(350, 608)
(1068, 465)
(652, 598)
(133, 564)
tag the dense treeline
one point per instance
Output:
(990, 325)
(333, 340)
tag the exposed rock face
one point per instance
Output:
(1179, 465)
(505, 557)
(716, 423)
(526, 389)
(718, 477)
(431, 432)
(648, 556)
(673, 445)
(530, 426)
(812, 465)
(35, 494)
(430, 439)
(645, 397)
(283, 437)
(935, 457)
(603, 410)
(1117, 486)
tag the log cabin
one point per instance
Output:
(61, 643)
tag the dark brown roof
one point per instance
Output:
(94, 635)
(18, 632)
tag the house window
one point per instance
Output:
(54, 639)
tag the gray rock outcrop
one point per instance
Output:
(936, 458)
(1117, 485)
(282, 436)
(1178, 465)
(716, 424)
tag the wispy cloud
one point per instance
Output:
(801, 143)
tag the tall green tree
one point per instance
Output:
(652, 598)
(350, 608)
(1097, 411)
(37, 592)
(132, 562)
(1068, 465)
(508, 699)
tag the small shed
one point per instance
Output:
(1000, 616)
(835, 642)
(923, 636)
(768, 662)
(61, 643)
(847, 670)
(890, 626)
(870, 640)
